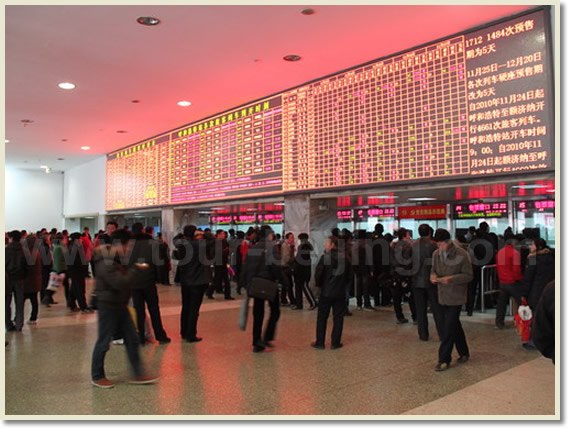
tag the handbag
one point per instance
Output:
(55, 281)
(261, 288)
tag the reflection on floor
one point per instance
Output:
(383, 369)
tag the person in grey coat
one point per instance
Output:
(451, 271)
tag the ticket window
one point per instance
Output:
(369, 223)
(496, 225)
(537, 215)
(413, 225)
(344, 224)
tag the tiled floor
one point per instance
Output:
(382, 370)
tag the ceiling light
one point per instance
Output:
(308, 11)
(148, 20)
(205, 212)
(85, 148)
(551, 190)
(121, 131)
(217, 208)
(292, 58)
(279, 204)
(6, 141)
(529, 186)
(60, 159)
(66, 85)
(47, 170)
(44, 166)
(184, 103)
(88, 217)
(383, 197)
(421, 199)
(134, 101)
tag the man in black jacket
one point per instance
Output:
(402, 275)
(114, 283)
(380, 272)
(144, 249)
(543, 324)
(332, 272)
(16, 268)
(424, 291)
(192, 252)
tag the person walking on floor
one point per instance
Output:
(303, 273)
(425, 292)
(451, 271)
(401, 272)
(114, 283)
(263, 262)
(362, 265)
(143, 249)
(288, 256)
(78, 268)
(332, 274)
(60, 256)
(220, 266)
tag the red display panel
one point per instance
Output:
(423, 212)
(221, 219)
(481, 210)
(547, 205)
(345, 215)
(474, 104)
(381, 212)
(271, 218)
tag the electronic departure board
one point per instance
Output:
(475, 104)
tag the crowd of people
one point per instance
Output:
(432, 274)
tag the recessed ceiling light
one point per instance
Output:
(64, 140)
(383, 197)
(6, 141)
(292, 58)
(134, 101)
(205, 212)
(529, 186)
(148, 20)
(60, 159)
(85, 148)
(421, 199)
(66, 85)
(184, 103)
(551, 190)
(308, 11)
(47, 170)
(44, 166)
(280, 203)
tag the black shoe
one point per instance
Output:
(266, 343)
(297, 308)
(348, 313)
(239, 292)
(463, 359)
(210, 297)
(311, 308)
(11, 328)
(164, 340)
(500, 326)
(284, 304)
(440, 367)
(527, 346)
(315, 345)
(369, 308)
(229, 298)
(469, 313)
(423, 339)
(340, 345)
(195, 339)
(401, 321)
(258, 348)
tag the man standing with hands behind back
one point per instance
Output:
(451, 271)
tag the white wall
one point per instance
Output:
(84, 189)
(33, 199)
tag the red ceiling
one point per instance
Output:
(204, 54)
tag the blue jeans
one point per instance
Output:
(113, 321)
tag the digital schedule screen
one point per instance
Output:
(475, 104)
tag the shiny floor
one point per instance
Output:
(383, 369)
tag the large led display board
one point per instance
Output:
(474, 104)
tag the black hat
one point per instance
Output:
(441, 235)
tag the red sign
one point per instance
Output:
(536, 205)
(344, 214)
(380, 212)
(422, 212)
(221, 219)
(271, 218)
(478, 210)
(245, 219)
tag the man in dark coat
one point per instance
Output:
(192, 252)
(543, 324)
(303, 272)
(32, 281)
(143, 249)
(16, 269)
(380, 272)
(424, 291)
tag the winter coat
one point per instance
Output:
(303, 262)
(543, 323)
(401, 259)
(538, 273)
(422, 251)
(114, 280)
(59, 256)
(32, 281)
(362, 257)
(144, 249)
(15, 265)
(192, 255)
(332, 274)
(458, 267)
(509, 265)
